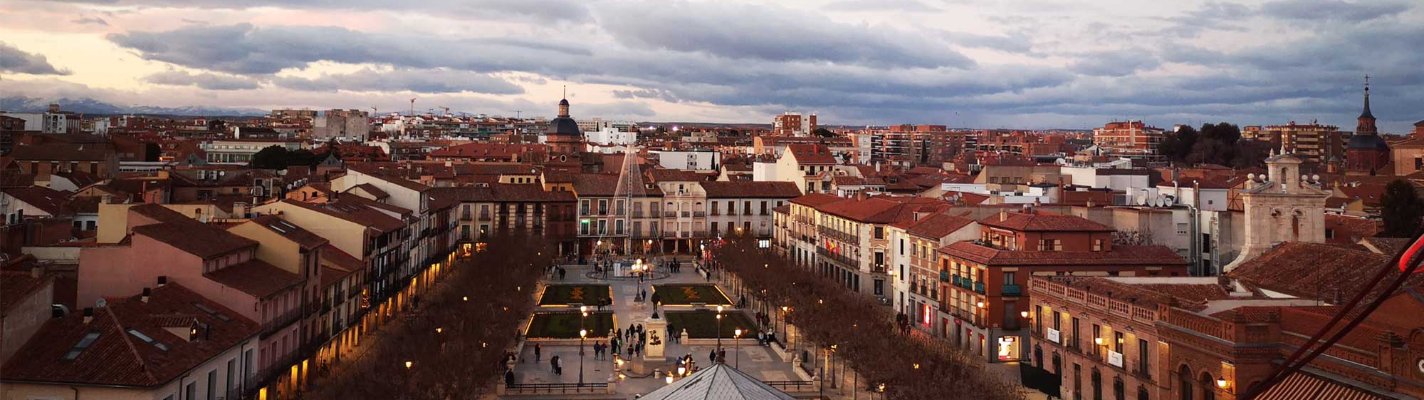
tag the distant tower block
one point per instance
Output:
(1283, 206)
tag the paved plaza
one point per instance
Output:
(758, 361)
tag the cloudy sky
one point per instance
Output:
(974, 63)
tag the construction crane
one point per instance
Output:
(447, 109)
(373, 111)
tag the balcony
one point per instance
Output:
(281, 321)
(979, 287)
(1012, 290)
(670, 214)
(879, 269)
(944, 276)
(484, 216)
(464, 216)
(699, 214)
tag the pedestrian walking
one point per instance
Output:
(712, 356)
(672, 333)
(509, 377)
(722, 355)
(538, 356)
(554, 364)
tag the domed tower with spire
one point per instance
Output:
(1367, 152)
(563, 134)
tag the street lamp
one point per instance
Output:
(583, 333)
(719, 328)
(784, 330)
(737, 345)
(407, 365)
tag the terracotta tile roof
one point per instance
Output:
(507, 192)
(396, 176)
(198, 239)
(1327, 272)
(1188, 294)
(1040, 221)
(304, 238)
(1121, 255)
(883, 209)
(816, 199)
(676, 175)
(255, 277)
(489, 150)
(340, 260)
(355, 211)
(937, 226)
(603, 185)
(115, 356)
(371, 190)
(50, 200)
(1346, 229)
(1385, 245)
(18, 286)
(770, 190)
(965, 198)
(54, 151)
(811, 154)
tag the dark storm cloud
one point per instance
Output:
(772, 59)
(246, 49)
(1115, 63)
(771, 33)
(543, 10)
(1332, 10)
(422, 81)
(20, 62)
(202, 80)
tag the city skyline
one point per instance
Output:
(1044, 64)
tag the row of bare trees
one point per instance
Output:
(456, 341)
(863, 331)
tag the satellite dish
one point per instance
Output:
(101, 303)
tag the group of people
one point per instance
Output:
(557, 271)
(636, 338)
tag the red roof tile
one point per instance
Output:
(1121, 255)
(770, 190)
(304, 238)
(255, 277)
(1328, 272)
(117, 357)
(1040, 221)
(937, 226)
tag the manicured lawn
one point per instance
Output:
(702, 324)
(590, 295)
(688, 294)
(565, 325)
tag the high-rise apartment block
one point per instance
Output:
(793, 124)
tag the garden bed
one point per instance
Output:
(702, 324)
(681, 295)
(565, 325)
(561, 295)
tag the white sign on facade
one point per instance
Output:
(1115, 358)
(1052, 335)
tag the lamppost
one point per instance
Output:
(583, 333)
(719, 328)
(737, 345)
(784, 329)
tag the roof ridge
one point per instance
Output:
(123, 335)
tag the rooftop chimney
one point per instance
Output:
(88, 314)
(36, 271)
(1003, 215)
(146, 292)
(162, 280)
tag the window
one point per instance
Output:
(191, 391)
(1097, 385)
(1097, 339)
(714, 227)
(1077, 381)
(1142, 365)
(1038, 321)
(1097, 245)
(212, 384)
(618, 227)
(231, 375)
